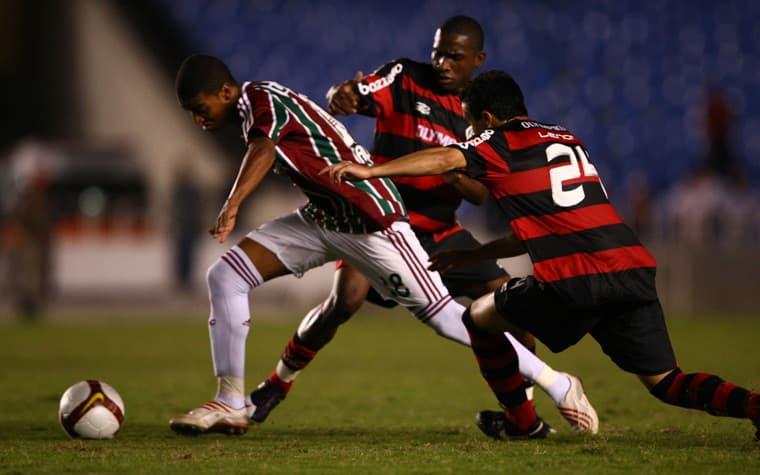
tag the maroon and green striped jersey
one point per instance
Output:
(544, 182)
(307, 139)
(414, 113)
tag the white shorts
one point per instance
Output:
(393, 259)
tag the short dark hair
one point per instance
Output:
(496, 92)
(464, 25)
(201, 73)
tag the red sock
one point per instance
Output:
(708, 393)
(296, 354)
(274, 379)
(498, 364)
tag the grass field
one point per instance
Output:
(386, 397)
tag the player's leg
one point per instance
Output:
(316, 330)
(487, 319)
(706, 392)
(499, 365)
(396, 265)
(484, 277)
(473, 281)
(285, 245)
(229, 281)
(637, 340)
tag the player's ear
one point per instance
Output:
(226, 92)
(489, 119)
(480, 58)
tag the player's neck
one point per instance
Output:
(516, 118)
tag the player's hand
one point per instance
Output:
(446, 261)
(225, 222)
(347, 171)
(342, 98)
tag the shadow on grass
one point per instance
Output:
(137, 434)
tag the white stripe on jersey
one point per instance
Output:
(246, 111)
(280, 90)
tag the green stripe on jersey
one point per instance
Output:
(326, 149)
(281, 118)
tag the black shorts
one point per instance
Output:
(461, 277)
(632, 334)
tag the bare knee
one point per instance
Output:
(346, 297)
(485, 316)
(349, 291)
(650, 381)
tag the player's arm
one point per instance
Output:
(256, 164)
(472, 190)
(343, 98)
(431, 161)
(507, 246)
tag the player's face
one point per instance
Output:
(455, 59)
(210, 111)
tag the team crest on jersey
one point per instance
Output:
(422, 108)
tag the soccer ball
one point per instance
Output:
(92, 410)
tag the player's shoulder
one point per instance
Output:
(535, 124)
(548, 129)
(266, 87)
(261, 97)
(403, 66)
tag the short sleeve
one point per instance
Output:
(265, 113)
(378, 92)
(473, 153)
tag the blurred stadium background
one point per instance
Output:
(103, 177)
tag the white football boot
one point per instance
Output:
(214, 416)
(577, 410)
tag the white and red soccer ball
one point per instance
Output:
(91, 410)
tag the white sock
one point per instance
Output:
(447, 322)
(230, 391)
(285, 373)
(230, 279)
(555, 384)
(533, 368)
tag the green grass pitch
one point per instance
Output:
(387, 396)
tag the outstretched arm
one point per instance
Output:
(431, 161)
(507, 246)
(256, 163)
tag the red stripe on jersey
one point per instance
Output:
(574, 265)
(430, 183)
(581, 219)
(420, 222)
(410, 127)
(497, 171)
(519, 139)
(383, 97)
(399, 124)
(532, 181)
(451, 102)
(441, 235)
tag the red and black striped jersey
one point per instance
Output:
(543, 180)
(414, 113)
(307, 139)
